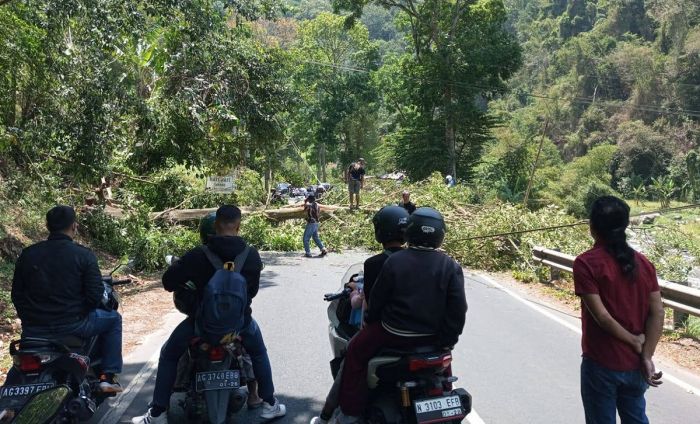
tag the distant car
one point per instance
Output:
(396, 176)
(282, 188)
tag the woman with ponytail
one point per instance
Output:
(622, 319)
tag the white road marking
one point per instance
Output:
(123, 401)
(474, 418)
(675, 380)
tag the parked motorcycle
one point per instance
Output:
(213, 377)
(69, 363)
(411, 386)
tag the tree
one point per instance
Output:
(334, 77)
(461, 56)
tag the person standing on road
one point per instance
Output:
(622, 319)
(313, 219)
(406, 202)
(57, 290)
(355, 177)
(194, 266)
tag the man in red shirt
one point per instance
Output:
(622, 319)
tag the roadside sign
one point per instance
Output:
(222, 185)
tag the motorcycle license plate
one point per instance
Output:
(12, 397)
(438, 409)
(217, 380)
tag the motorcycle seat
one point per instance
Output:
(409, 351)
(71, 342)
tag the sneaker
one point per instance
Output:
(308, 255)
(110, 384)
(150, 419)
(273, 411)
(324, 252)
(318, 420)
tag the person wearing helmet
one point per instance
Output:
(389, 227)
(418, 299)
(195, 267)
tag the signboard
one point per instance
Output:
(222, 185)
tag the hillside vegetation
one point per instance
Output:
(572, 99)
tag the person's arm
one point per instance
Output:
(178, 273)
(17, 294)
(654, 329)
(600, 313)
(251, 271)
(356, 299)
(381, 293)
(93, 287)
(455, 310)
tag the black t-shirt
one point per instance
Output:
(372, 267)
(410, 207)
(356, 173)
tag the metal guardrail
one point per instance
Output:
(676, 296)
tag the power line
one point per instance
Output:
(571, 225)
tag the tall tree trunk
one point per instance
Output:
(450, 142)
(321, 167)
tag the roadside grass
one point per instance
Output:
(649, 206)
(691, 328)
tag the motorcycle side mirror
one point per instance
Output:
(44, 406)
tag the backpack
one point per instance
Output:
(224, 299)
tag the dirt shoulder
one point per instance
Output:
(683, 352)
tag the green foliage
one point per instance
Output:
(458, 56)
(582, 180)
(692, 327)
(663, 189)
(150, 250)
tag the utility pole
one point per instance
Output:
(534, 165)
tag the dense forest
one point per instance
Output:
(540, 103)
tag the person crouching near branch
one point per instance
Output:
(313, 212)
(622, 319)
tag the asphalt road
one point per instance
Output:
(518, 359)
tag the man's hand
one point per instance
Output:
(652, 377)
(637, 343)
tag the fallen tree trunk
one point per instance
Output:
(189, 215)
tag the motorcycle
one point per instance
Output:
(44, 365)
(212, 377)
(411, 386)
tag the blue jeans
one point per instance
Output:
(99, 322)
(604, 392)
(176, 346)
(310, 231)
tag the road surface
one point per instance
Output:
(519, 360)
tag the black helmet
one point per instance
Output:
(390, 224)
(426, 228)
(206, 227)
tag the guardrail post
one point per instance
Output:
(554, 273)
(680, 318)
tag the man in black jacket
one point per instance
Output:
(195, 267)
(57, 290)
(417, 300)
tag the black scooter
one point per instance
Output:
(413, 386)
(69, 363)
